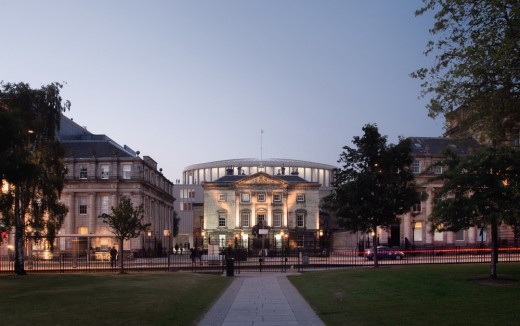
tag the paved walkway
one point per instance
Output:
(266, 299)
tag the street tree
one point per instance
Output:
(374, 185)
(480, 190)
(32, 168)
(175, 224)
(125, 222)
(476, 45)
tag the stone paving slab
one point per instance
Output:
(261, 299)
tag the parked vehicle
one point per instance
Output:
(383, 253)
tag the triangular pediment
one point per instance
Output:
(261, 178)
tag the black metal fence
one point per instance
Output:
(239, 261)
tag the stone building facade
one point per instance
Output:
(99, 172)
(280, 211)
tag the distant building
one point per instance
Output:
(99, 172)
(239, 208)
(190, 192)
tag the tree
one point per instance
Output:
(476, 45)
(32, 167)
(374, 185)
(480, 190)
(125, 222)
(175, 224)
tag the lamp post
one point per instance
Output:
(149, 234)
(167, 234)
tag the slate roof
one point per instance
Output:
(437, 146)
(80, 143)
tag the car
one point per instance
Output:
(383, 253)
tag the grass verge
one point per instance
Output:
(414, 295)
(108, 299)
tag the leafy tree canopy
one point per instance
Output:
(374, 184)
(476, 45)
(126, 222)
(32, 168)
(477, 188)
(480, 190)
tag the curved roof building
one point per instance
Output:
(211, 171)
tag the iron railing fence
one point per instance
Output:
(247, 261)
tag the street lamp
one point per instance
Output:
(149, 234)
(167, 234)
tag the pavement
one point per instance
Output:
(261, 299)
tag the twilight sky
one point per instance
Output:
(189, 82)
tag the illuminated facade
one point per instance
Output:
(286, 205)
(99, 172)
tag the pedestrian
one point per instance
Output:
(176, 248)
(193, 256)
(113, 256)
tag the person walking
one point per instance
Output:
(113, 256)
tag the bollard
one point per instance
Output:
(230, 267)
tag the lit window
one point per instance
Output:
(299, 240)
(300, 220)
(245, 219)
(244, 197)
(127, 171)
(83, 230)
(221, 197)
(260, 197)
(83, 172)
(417, 232)
(300, 198)
(277, 198)
(416, 166)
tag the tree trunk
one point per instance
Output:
(374, 241)
(494, 247)
(121, 254)
(19, 265)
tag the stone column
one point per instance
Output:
(428, 212)
(71, 215)
(92, 214)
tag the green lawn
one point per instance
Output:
(397, 295)
(414, 295)
(108, 299)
